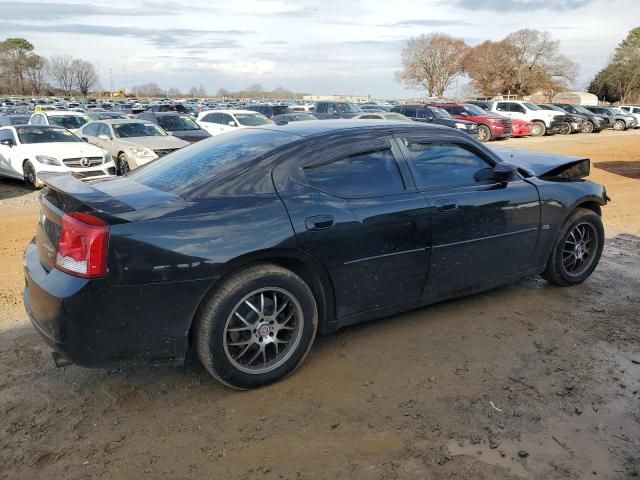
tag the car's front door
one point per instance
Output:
(481, 229)
(6, 154)
(354, 207)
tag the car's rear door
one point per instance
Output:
(354, 207)
(481, 230)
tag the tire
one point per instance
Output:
(566, 129)
(122, 164)
(251, 312)
(484, 133)
(559, 267)
(619, 125)
(30, 176)
(589, 127)
(539, 129)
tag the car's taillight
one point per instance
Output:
(82, 246)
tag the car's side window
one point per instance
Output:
(91, 130)
(104, 130)
(502, 107)
(421, 113)
(444, 164)
(36, 120)
(368, 174)
(6, 135)
(225, 119)
(409, 112)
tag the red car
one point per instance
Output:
(490, 125)
(520, 128)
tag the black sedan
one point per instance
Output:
(246, 244)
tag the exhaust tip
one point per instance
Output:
(59, 360)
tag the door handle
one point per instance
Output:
(319, 222)
(446, 205)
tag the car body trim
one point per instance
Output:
(516, 232)
(366, 259)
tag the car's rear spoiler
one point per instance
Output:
(78, 191)
(547, 165)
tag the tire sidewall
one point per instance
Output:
(542, 129)
(619, 125)
(222, 306)
(122, 159)
(580, 216)
(486, 131)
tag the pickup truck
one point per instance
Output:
(544, 121)
(490, 125)
(333, 110)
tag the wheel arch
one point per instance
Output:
(302, 264)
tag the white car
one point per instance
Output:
(543, 121)
(26, 151)
(220, 121)
(68, 119)
(632, 110)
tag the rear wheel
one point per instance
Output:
(484, 133)
(577, 250)
(30, 176)
(538, 129)
(122, 164)
(257, 327)
(619, 125)
(588, 127)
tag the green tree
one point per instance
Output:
(14, 55)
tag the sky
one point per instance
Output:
(316, 46)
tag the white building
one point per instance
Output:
(576, 98)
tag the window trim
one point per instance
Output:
(448, 139)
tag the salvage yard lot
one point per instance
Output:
(525, 381)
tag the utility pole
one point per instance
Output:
(126, 89)
(99, 82)
(111, 84)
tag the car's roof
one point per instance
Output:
(119, 121)
(53, 113)
(320, 127)
(232, 111)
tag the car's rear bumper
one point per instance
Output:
(94, 323)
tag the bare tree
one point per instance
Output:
(197, 92)
(85, 75)
(148, 90)
(36, 71)
(61, 71)
(432, 62)
(174, 92)
(523, 62)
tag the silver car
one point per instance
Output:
(132, 143)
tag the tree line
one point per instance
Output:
(619, 81)
(23, 72)
(522, 63)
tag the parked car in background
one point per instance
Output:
(268, 111)
(303, 108)
(483, 104)
(617, 121)
(490, 125)
(60, 118)
(520, 128)
(27, 151)
(573, 122)
(434, 114)
(293, 117)
(177, 124)
(595, 123)
(244, 246)
(8, 120)
(380, 115)
(104, 115)
(167, 107)
(334, 110)
(622, 111)
(132, 143)
(544, 121)
(632, 110)
(220, 121)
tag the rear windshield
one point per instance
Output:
(252, 119)
(68, 121)
(132, 130)
(182, 171)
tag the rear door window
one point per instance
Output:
(368, 174)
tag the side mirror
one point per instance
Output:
(84, 139)
(430, 119)
(505, 172)
(464, 114)
(7, 142)
(103, 137)
(232, 123)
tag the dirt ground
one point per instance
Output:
(526, 381)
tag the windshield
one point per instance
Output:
(109, 116)
(177, 123)
(129, 130)
(68, 121)
(394, 116)
(184, 170)
(474, 109)
(303, 116)
(349, 108)
(618, 111)
(252, 119)
(531, 106)
(45, 135)
(580, 109)
(441, 113)
(552, 107)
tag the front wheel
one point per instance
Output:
(30, 176)
(122, 164)
(577, 250)
(619, 125)
(588, 127)
(256, 327)
(484, 133)
(566, 128)
(538, 129)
